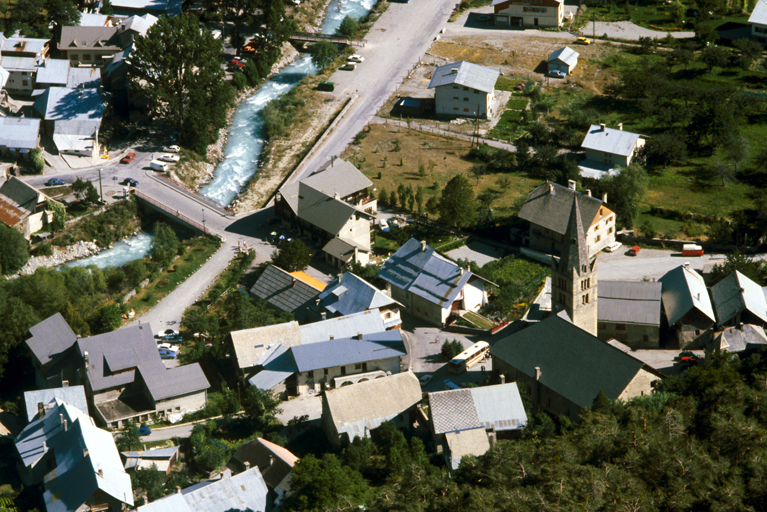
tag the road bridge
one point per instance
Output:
(307, 37)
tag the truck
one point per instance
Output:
(158, 165)
(327, 86)
(692, 250)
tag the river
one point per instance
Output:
(245, 143)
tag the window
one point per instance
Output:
(86, 56)
(620, 327)
(358, 366)
(364, 367)
(609, 230)
(646, 338)
(600, 212)
(598, 238)
(466, 110)
(585, 299)
(310, 374)
(455, 97)
(596, 228)
(343, 370)
(602, 326)
(562, 298)
(465, 88)
(456, 87)
(455, 108)
(466, 99)
(325, 371)
(24, 83)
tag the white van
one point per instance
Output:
(158, 166)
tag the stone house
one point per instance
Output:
(287, 291)
(528, 13)
(463, 89)
(742, 339)
(22, 206)
(630, 312)
(607, 149)
(348, 294)
(687, 307)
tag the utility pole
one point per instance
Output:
(101, 189)
(593, 25)
(203, 222)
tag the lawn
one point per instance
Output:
(508, 127)
(480, 321)
(655, 17)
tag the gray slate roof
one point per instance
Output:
(566, 55)
(739, 339)
(472, 442)
(336, 177)
(683, 290)
(629, 302)
(465, 74)
(71, 104)
(549, 206)
(575, 252)
(88, 37)
(323, 210)
(499, 407)
(574, 364)
(759, 14)
(353, 295)
(53, 72)
(240, 493)
(282, 290)
(32, 442)
(339, 352)
(610, 140)
(19, 132)
(362, 407)
(73, 395)
(425, 273)
(50, 338)
(736, 294)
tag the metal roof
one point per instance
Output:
(629, 302)
(26, 64)
(759, 14)
(597, 170)
(425, 273)
(246, 491)
(549, 206)
(340, 352)
(472, 442)
(738, 339)
(51, 338)
(279, 367)
(87, 77)
(573, 363)
(71, 104)
(144, 5)
(498, 407)
(353, 294)
(736, 294)
(566, 55)
(251, 345)
(53, 72)
(11, 214)
(465, 74)
(683, 290)
(335, 177)
(283, 291)
(22, 46)
(366, 322)
(138, 24)
(610, 140)
(73, 395)
(76, 135)
(32, 442)
(364, 406)
(156, 453)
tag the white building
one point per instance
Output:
(528, 13)
(758, 21)
(607, 149)
(564, 60)
(464, 89)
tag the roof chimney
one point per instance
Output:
(461, 271)
(423, 245)
(64, 383)
(324, 315)
(85, 356)
(332, 337)
(503, 379)
(551, 187)
(247, 465)
(178, 489)
(537, 373)
(571, 184)
(620, 126)
(686, 264)
(337, 196)
(65, 425)
(85, 452)
(61, 418)
(40, 409)
(340, 278)
(293, 283)
(317, 302)
(602, 126)
(359, 335)
(604, 197)
(588, 192)
(271, 460)
(45, 446)
(100, 472)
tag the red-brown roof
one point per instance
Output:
(10, 212)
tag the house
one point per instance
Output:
(564, 59)
(563, 368)
(163, 459)
(354, 411)
(244, 492)
(140, 7)
(737, 300)
(72, 117)
(18, 136)
(99, 20)
(22, 206)
(687, 307)
(547, 209)
(457, 416)
(35, 48)
(59, 73)
(464, 89)
(348, 294)
(758, 21)
(129, 28)
(39, 401)
(528, 13)
(21, 74)
(431, 287)
(607, 149)
(78, 463)
(630, 312)
(273, 461)
(89, 46)
(741, 339)
(4, 76)
(285, 291)
(122, 372)
(10, 426)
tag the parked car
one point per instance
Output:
(171, 149)
(237, 63)
(692, 250)
(158, 166)
(634, 250)
(55, 182)
(425, 379)
(355, 58)
(130, 182)
(688, 357)
(128, 158)
(555, 73)
(169, 158)
(582, 40)
(167, 354)
(450, 384)
(167, 332)
(172, 337)
(613, 247)
(168, 346)
(349, 66)
(144, 430)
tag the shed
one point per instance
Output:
(564, 59)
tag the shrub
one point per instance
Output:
(43, 250)
(348, 27)
(37, 160)
(239, 80)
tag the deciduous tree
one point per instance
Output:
(164, 245)
(457, 205)
(292, 256)
(14, 250)
(323, 53)
(348, 27)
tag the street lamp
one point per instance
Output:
(203, 222)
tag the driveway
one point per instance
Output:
(628, 30)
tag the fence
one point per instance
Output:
(173, 213)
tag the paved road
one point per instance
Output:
(628, 30)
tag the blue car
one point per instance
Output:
(144, 431)
(131, 182)
(55, 182)
(167, 354)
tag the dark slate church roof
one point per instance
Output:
(549, 207)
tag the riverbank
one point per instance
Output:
(60, 256)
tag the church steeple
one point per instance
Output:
(574, 275)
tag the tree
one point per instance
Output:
(324, 484)
(207, 453)
(292, 256)
(714, 56)
(750, 51)
(59, 214)
(624, 192)
(722, 171)
(432, 205)
(706, 33)
(477, 171)
(756, 270)
(383, 197)
(164, 245)
(663, 149)
(177, 66)
(348, 27)
(681, 55)
(14, 250)
(91, 194)
(149, 480)
(37, 160)
(79, 188)
(108, 319)
(128, 439)
(737, 150)
(419, 199)
(106, 8)
(457, 206)
(450, 349)
(677, 10)
(261, 406)
(63, 13)
(323, 53)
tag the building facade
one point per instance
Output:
(463, 89)
(528, 13)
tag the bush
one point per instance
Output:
(450, 349)
(648, 230)
(239, 81)
(37, 160)
(348, 27)
(43, 250)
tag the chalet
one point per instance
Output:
(349, 294)
(89, 46)
(547, 209)
(464, 89)
(273, 461)
(288, 292)
(563, 368)
(737, 300)
(564, 60)
(629, 312)
(687, 306)
(18, 136)
(758, 21)
(355, 411)
(528, 13)
(22, 206)
(72, 117)
(431, 287)
(607, 150)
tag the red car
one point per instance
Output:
(634, 250)
(128, 158)
(237, 63)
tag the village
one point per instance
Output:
(472, 260)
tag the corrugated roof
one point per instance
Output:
(471, 442)
(630, 302)
(759, 14)
(357, 295)
(610, 140)
(11, 213)
(574, 364)
(340, 352)
(244, 492)
(425, 273)
(53, 72)
(549, 206)
(498, 407)
(76, 135)
(465, 74)
(336, 177)
(736, 294)
(71, 104)
(283, 291)
(73, 395)
(362, 407)
(566, 55)
(156, 453)
(683, 290)
(25, 64)
(51, 338)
